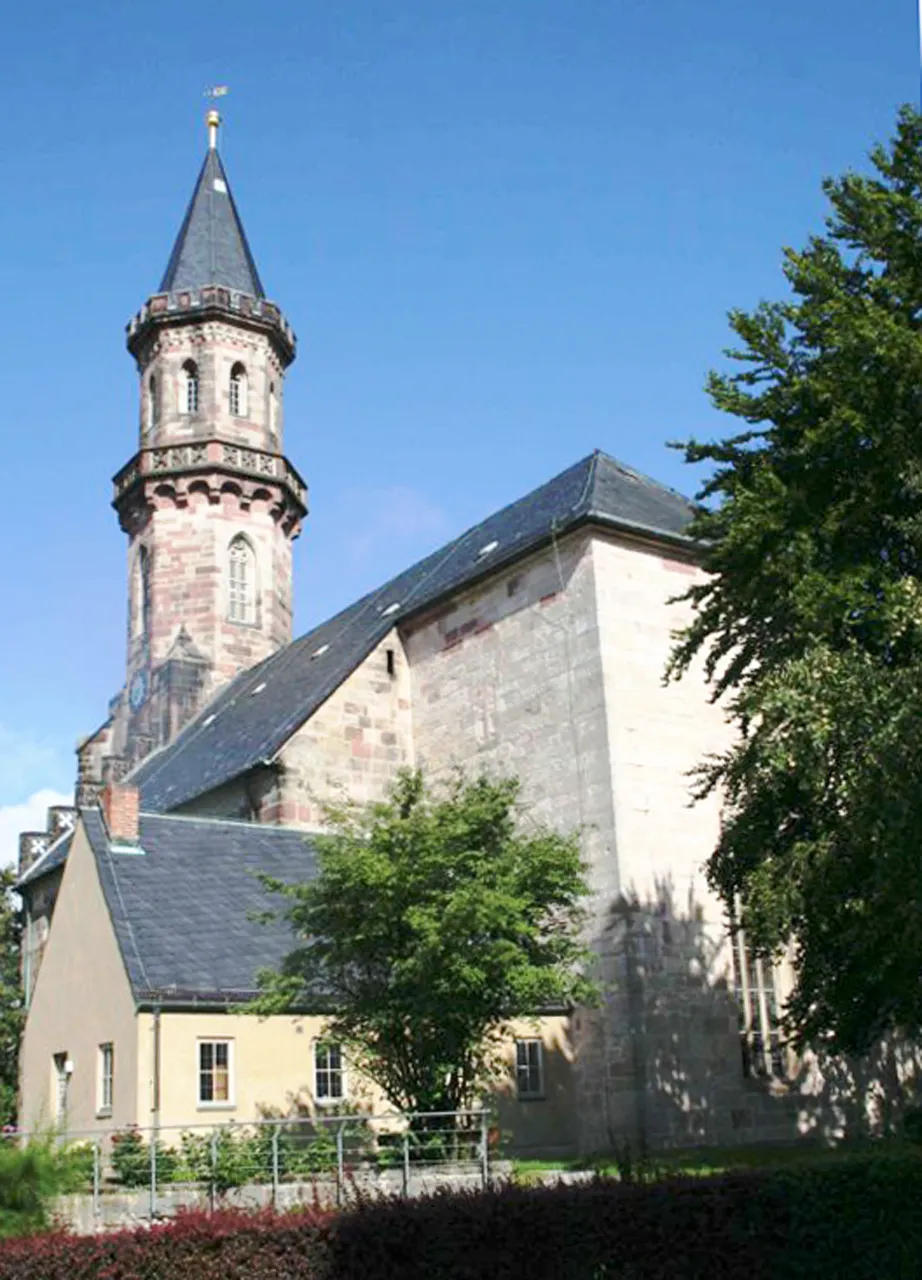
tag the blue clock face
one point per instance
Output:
(137, 690)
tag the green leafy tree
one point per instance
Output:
(810, 624)
(12, 1013)
(435, 918)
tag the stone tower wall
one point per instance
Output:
(187, 540)
(215, 347)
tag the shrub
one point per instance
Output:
(32, 1175)
(223, 1159)
(224, 1246)
(131, 1160)
(912, 1123)
(857, 1219)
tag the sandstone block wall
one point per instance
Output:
(507, 678)
(187, 546)
(215, 347)
(353, 745)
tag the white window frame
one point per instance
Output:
(755, 981)
(238, 391)
(105, 1084)
(189, 388)
(242, 593)
(329, 1099)
(533, 1072)
(216, 1104)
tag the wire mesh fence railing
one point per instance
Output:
(272, 1159)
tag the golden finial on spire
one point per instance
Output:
(213, 118)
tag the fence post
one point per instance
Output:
(485, 1149)
(340, 1135)
(406, 1162)
(214, 1170)
(275, 1163)
(97, 1175)
(153, 1173)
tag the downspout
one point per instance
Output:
(155, 1091)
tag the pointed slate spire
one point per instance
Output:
(211, 247)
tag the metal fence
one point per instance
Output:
(277, 1161)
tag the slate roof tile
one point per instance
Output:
(252, 718)
(211, 247)
(182, 908)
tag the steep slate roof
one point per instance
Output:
(211, 247)
(252, 718)
(180, 908)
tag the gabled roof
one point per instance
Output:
(182, 907)
(252, 718)
(211, 247)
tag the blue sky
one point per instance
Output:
(506, 231)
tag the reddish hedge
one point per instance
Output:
(194, 1246)
(857, 1218)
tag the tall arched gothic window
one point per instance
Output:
(241, 593)
(238, 391)
(188, 390)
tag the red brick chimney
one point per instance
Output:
(120, 808)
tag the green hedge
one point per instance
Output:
(861, 1218)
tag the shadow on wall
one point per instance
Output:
(541, 1127)
(660, 1062)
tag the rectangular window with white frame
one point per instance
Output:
(755, 984)
(215, 1073)
(329, 1072)
(529, 1069)
(106, 1079)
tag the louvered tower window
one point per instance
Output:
(241, 600)
(188, 402)
(238, 391)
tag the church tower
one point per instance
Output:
(209, 502)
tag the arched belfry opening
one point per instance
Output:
(239, 391)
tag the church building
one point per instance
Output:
(533, 643)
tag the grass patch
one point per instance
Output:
(709, 1161)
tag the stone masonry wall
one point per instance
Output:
(187, 546)
(507, 678)
(353, 745)
(663, 1062)
(215, 347)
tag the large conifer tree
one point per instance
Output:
(811, 623)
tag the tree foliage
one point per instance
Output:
(810, 624)
(435, 918)
(12, 1013)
